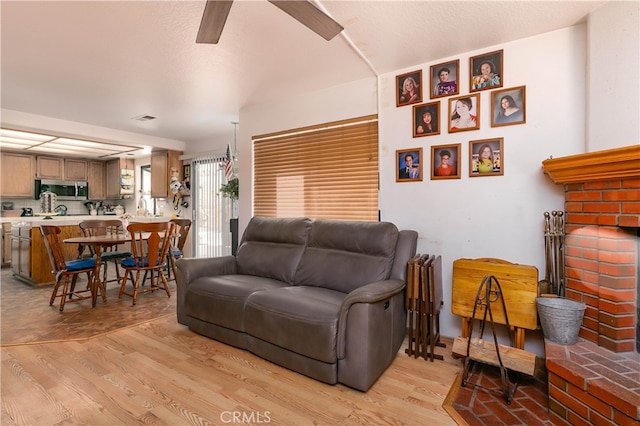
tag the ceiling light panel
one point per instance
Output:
(26, 135)
(39, 143)
(10, 145)
(75, 148)
(18, 142)
(96, 145)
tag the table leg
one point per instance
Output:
(96, 283)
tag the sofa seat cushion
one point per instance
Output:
(221, 299)
(300, 319)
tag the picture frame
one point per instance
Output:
(496, 155)
(409, 170)
(486, 71)
(468, 117)
(409, 95)
(426, 119)
(186, 171)
(444, 79)
(509, 106)
(445, 161)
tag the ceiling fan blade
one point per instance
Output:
(310, 16)
(213, 19)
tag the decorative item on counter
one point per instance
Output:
(61, 210)
(119, 210)
(90, 206)
(47, 202)
(125, 220)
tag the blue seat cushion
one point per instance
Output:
(79, 264)
(131, 263)
(176, 252)
(111, 255)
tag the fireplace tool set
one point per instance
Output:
(553, 282)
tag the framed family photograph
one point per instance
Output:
(409, 88)
(486, 71)
(445, 161)
(426, 119)
(508, 106)
(409, 165)
(444, 79)
(486, 157)
(464, 113)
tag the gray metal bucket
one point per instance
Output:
(560, 319)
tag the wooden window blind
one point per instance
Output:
(327, 171)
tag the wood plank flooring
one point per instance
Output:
(159, 372)
(27, 317)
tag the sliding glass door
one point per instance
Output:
(211, 211)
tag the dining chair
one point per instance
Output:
(64, 270)
(150, 244)
(179, 238)
(109, 253)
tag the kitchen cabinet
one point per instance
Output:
(61, 168)
(96, 180)
(113, 174)
(164, 165)
(30, 260)
(17, 175)
(75, 169)
(49, 167)
(6, 244)
(21, 252)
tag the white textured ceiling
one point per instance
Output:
(104, 62)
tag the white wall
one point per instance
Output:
(496, 216)
(613, 69)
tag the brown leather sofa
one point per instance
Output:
(324, 298)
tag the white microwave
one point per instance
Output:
(64, 189)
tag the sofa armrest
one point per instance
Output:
(370, 293)
(190, 269)
(193, 268)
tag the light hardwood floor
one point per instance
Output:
(162, 373)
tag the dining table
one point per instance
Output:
(99, 244)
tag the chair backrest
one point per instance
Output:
(54, 249)
(181, 232)
(101, 227)
(150, 243)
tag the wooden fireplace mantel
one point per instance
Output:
(610, 164)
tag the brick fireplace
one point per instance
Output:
(598, 380)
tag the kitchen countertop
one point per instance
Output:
(74, 220)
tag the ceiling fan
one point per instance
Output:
(216, 12)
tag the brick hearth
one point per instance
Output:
(598, 380)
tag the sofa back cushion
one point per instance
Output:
(345, 255)
(272, 247)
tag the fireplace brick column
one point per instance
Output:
(601, 258)
(597, 380)
(602, 205)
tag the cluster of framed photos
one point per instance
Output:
(508, 106)
(486, 156)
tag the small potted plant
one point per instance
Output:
(230, 189)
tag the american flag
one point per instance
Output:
(228, 164)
